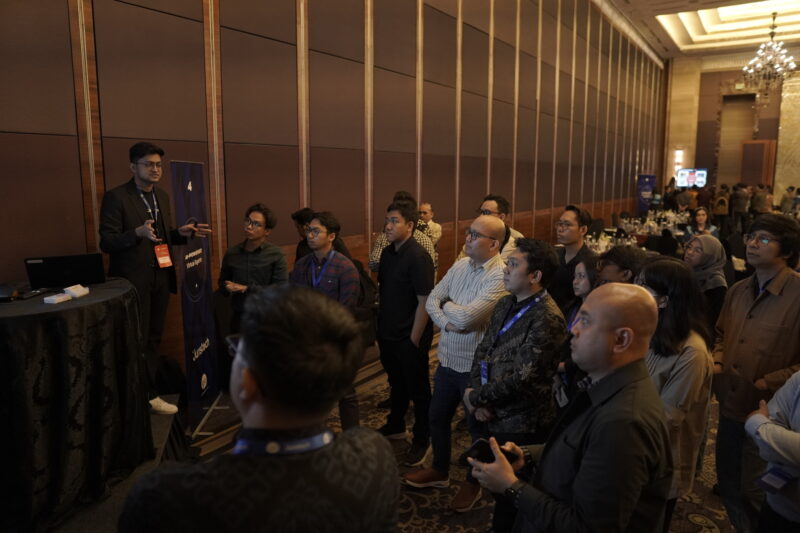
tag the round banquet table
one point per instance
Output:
(72, 400)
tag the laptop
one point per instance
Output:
(65, 270)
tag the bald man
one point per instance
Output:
(607, 464)
(461, 305)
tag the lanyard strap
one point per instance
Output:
(514, 320)
(285, 447)
(153, 214)
(315, 279)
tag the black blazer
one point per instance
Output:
(122, 212)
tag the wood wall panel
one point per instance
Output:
(337, 28)
(337, 185)
(336, 102)
(274, 19)
(394, 171)
(395, 35)
(394, 105)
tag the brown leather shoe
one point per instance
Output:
(426, 477)
(468, 495)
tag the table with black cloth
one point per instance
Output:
(73, 407)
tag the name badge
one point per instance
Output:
(774, 480)
(162, 256)
(484, 372)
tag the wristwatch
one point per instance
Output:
(512, 493)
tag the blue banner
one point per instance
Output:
(192, 262)
(645, 185)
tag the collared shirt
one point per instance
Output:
(434, 232)
(470, 292)
(339, 280)
(561, 286)
(404, 275)
(778, 440)
(381, 242)
(607, 464)
(758, 336)
(303, 249)
(261, 267)
(507, 250)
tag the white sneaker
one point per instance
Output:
(159, 406)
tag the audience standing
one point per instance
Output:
(426, 216)
(382, 241)
(757, 349)
(571, 229)
(497, 206)
(301, 218)
(706, 256)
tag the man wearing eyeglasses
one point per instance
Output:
(757, 349)
(136, 231)
(461, 305)
(571, 229)
(495, 205)
(253, 263)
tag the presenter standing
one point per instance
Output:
(136, 230)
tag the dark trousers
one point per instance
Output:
(771, 522)
(739, 465)
(153, 291)
(448, 393)
(348, 409)
(406, 368)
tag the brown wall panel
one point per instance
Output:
(153, 87)
(336, 102)
(394, 104)
(275, 19)
(549, 41)
(548, 90)
(183, 8)
(44, 210)
(476, 14)
(393, 172)
(337, 28)
(505, 21)
(473, 125)
(438, 184)
(501, 177)
(527, 81)
(529, 27)
(337, 185)
(503, 71)
(259, 100)
(439, 52)
(476, 62)
(526, 136)
(524, 201)
(438, 119)
(266, 174)
(115, 160)
(473, 186)
(395, 35)
(502, 130)
(36, 95)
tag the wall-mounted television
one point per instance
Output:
(689, 177)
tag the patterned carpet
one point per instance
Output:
(427, 510)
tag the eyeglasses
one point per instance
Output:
(760, 239)
(487, 212)
(314, 232)
(254, 223)
(694, 249)
(563, 224)
(472, 235)
(232, 341)
(150, 164)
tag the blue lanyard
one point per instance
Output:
(514, 320)
(153, 214)
(315, 280)
(282, 447)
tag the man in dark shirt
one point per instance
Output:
(607, 464)
(301, 218)
(298, 353)
(136, 232)
(571, 229)
(253, 263)
(405, 279)
(331, 273)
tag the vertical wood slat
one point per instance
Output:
(301, 10)
(420, 95)
(586, 98)
(597, 105)
(490, 99)
(216, 171)
(538, 116)
(369, 117)
(555, 116)
(572, 99)
(514, 149)
(87, 114)
(459, 88)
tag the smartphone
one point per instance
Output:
(482, 451)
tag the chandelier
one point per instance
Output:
(770, 66)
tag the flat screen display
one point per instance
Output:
(689, 177)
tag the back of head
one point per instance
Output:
(405, 196)
(503, 207)
(628, 306)
(785, 229)
(302, 346)
(626, 257)
(303, 216)
(540, 256)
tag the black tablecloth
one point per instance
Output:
(73, 407)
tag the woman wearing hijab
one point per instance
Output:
(707, 258)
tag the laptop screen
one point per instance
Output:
(65, 270)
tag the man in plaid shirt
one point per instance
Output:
(334, 275)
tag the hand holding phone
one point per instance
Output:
(481, 450)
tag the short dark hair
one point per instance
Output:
(583, 216)
(540, 256)
(328, 221)
(141, 149)
(785, 229)
(590, 264)
(685, 310)
(303, 347)
(407, 210)
(404, 196)
(626, 257)
(503, 207)
(269, 217)
(303, 216)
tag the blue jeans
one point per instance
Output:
(738, 467)
(448, 392)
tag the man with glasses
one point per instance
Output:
(461, 305)
(757, 349)
(253, 263)
(334, 275)
(571, 229)
(136, 231)
(301, 218)
(497, 206)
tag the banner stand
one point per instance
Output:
(198, 431)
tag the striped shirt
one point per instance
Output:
(469, 293)
(382, 242)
